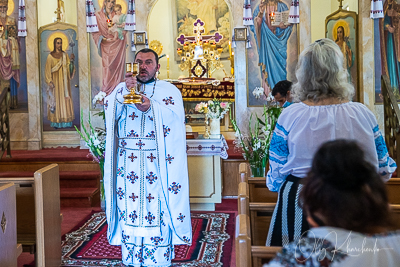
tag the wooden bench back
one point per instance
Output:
(8, 226)
(38, 214)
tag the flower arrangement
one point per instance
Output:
(255, 145)
(214, 109)
(95, 138)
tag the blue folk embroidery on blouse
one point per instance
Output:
(279, 145)
(121, 214)
(280, 128)
(152, 134)
(120, 172)
(376, 128)
(132, 133)
(282, 162)
(138, 255)
(166, 254)
(380, 147)
(133, 216)
(186, 239)
(174, 188)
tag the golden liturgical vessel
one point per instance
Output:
(132, 97)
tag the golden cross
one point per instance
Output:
(58, 11)
(340, 4)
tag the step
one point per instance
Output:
(60, 154)
(80, 179)
(80, 197)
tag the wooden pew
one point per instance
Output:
(38, 215)
(9, 250)
(246, 254)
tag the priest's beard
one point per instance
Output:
(3, 15)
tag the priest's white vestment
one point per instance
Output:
(145, 175)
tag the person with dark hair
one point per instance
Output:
(347, 207)
(281, 93)
(146, 180)
(60, 109)
(324, 112)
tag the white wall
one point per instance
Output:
(46, 13)
(320, 9)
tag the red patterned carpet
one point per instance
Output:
(213, 235)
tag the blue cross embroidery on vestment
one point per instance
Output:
(132, 157)
(181, 217)
(140, 144)
(150, 118)
(169, 100)
(166, 254)
(133, 197)
(132, 133)
(120, 193)
(151, 177)
(161, 219)
(150, 218)
(120, 91)
(151, 157)
(124, 237)
(156, 240)
(169, 158)
(133, 116)
(152, 134)
(149, 198)
(123, 144)
(132, 177)
(186, 239)
(133, 216)
(121, 214)
(174, 188)
(149, 254)
(106, 105)
(166, 130)
(138, 255)
(130, 254)
(120, 171)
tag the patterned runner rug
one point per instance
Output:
(213, 235)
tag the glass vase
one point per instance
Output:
(258, 168)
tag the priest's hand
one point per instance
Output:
(145, 104)
(130, 80)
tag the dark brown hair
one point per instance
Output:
(54, 46)
(345, 189)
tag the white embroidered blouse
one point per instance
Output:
(301, 129)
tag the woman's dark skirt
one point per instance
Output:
(288, 221)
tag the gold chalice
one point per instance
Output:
(133, 97)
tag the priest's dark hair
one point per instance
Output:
(282, 87)
(344, 190)
(148, 50)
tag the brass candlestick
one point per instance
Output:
(133, 97)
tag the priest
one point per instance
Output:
(146, 175)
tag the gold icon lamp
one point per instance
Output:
(133, 97)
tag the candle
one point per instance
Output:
(167, 61)
(230, 49)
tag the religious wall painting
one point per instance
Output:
(216, 17)
(387, 48)
(274, 49)
(59, 77)
(107, 53)
(12, 56)
(341, 27)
